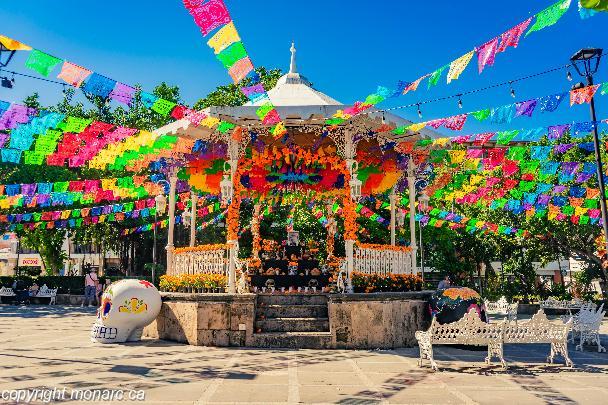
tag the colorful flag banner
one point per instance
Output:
(41, 62)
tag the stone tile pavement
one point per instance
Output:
(47, 347)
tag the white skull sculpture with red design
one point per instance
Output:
(127, 306)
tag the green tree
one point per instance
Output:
(49, 244)
(230, 95)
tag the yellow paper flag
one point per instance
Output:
(458, 66)
(416, 127)
(13, 45)
(224, 38)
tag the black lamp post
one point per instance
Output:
(586, 62)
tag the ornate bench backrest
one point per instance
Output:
(469, 329)
(6, 291)
(537, 330)
(500, 307)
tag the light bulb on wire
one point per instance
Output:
(460, 101)
(419, 112)
(512, 89)
(569, 76)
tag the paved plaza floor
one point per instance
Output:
(48, 347)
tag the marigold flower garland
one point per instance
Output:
(375, 246)
(201, 248)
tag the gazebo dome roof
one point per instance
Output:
(293, 89)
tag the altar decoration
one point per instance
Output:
(126, 307)
(453, 303)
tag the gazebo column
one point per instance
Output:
(194, 201)
(351, 194)
(170, 231)
(393, 202)
(411, 185)
(255, 230)
(232, 218)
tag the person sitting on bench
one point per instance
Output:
(33, 290)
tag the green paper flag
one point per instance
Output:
(264, 109)
(163, 107)
(225, 127)
(434, 79)
(604, 89)
(505, 137)
(374, 99)
(549, 16)
(41, 62)
(61, 186)
(232, 54)
(481, 115)
(516, 152)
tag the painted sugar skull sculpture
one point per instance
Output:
(126, 307)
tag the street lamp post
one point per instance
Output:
(589, 58)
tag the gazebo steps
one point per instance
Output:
(292, 311)
(293, 340)
(292, 299)
(293, 325)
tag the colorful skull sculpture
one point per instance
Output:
(126, 307)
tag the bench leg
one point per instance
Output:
(426, 350)
(560, 348)
(495, 349)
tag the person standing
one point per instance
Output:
(90, 288)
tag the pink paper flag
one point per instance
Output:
(483, 138)
(208, 16)
(73, 74)
(240, 70)
(486, 54)
(436, 123)
(462, 139)
(456, 122)
(511, 37)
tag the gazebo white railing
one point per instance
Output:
(205, 259)
(382, 259)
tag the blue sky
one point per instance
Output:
(345, 48)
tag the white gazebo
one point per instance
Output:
(304, 111)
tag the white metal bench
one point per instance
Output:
(565, 305)
(470, 330)
(45, 292)
(586, 323)
(6, 292)
(502, 308)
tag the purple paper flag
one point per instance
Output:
(525, 108)
(16, 114)
(122, 93)
(557, 131)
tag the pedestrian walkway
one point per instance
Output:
(42, 346)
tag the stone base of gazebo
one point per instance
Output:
(343, 321)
